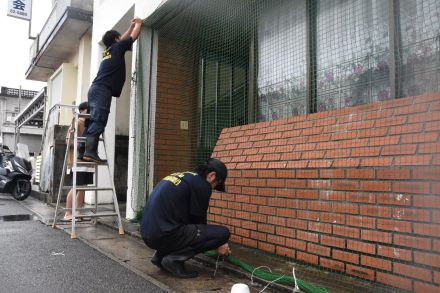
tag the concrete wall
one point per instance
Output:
(33, 141)
(57, 135)
(121, 166)
(354, 190)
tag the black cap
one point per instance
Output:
(221, 172)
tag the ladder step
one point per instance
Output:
(87, 188)
(83, 115)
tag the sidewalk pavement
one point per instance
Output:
(131, 252)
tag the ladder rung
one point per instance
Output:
(84, 138)
(85, 163)
(99, 215)
(88, 188)
(62, 210)
(94, 215)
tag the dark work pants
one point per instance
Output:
(214, 237)
(100, 100)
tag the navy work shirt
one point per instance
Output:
(111, 72)
(178, 200)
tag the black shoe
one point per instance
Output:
(157, 260)
(177, 268)
(93, 158)
(81, 148)
(90, 153)
(174, 263)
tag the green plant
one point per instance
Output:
(138, 216)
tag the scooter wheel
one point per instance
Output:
(22, 189)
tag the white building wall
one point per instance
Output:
(62, 90)
(123, 103)
(70, 82)
(106, 15)
(84, 58)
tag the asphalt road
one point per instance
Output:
(37, 258)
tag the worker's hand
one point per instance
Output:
(132, 23)
(224, 249)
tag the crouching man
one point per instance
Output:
(174, 218)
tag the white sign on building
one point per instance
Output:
(20, 9)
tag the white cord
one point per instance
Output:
(252, 276)
(271, 283)
(296, 289)
(216, 265)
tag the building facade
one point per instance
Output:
(10, 106)
(325, 112)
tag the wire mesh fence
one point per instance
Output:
(330, 116)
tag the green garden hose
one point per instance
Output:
(268, 276)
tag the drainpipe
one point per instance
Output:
(17, 129)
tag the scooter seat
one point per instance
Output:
(4, 171)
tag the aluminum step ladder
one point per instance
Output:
(75, 188)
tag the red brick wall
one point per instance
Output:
(355, 190)
(175, 101)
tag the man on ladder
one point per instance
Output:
(107, 84)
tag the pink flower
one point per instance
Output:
(382, 95)
(358, 68)
(329, 76)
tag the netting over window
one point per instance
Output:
(352, 53)
(245, 61)
(210, 44)
(419, 50)
(282, 60)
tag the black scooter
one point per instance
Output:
(15, 177)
